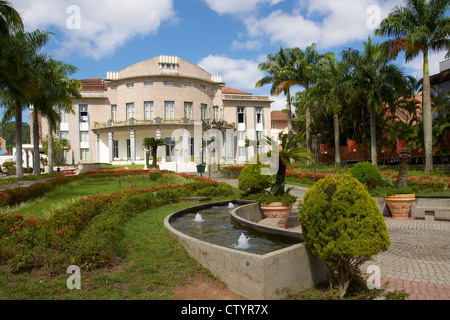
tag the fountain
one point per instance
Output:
(198, 218)
(213, 224)
(243, 242)
(261, 265)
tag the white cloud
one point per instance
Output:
(416, 65)
(102, 25)
(240, 74)
(328, 23)
(237, 6)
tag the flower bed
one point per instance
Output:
(418, 182)
(10, 197)
(83, 233)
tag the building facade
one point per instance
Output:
(200, 119)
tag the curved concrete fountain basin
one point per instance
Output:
(258, 277)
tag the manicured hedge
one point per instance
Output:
(83, 233)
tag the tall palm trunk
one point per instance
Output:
(373, 137)
(308, 124)
(50, 147)
(337, 151)
(19, 157)
(36, 158)
(426, 114)
(289, 116)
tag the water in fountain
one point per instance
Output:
(198, 218)
(230, 205)
(218, 228)
(243, 242)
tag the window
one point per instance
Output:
(204, 110)
(116, 149)
(84, 136)
(274, 125)
(148, 110)
(188, 110)
(168, 83)
(84, 154)
(170, 146)
(64, 135)
(130, 111)
(128, 148)
(241, 114)
(64, 116)
(114, 112)
(259, 115)
(130, 85)
(187, 85)
(203, 87)
(84, 114)
(113, 87)
(215, 113)
(169, 110)
(148, 83)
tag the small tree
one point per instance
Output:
(289, 150)
(343, 226)
(153, 143)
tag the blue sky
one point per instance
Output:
(226, 37)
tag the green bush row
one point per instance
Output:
(84, 233)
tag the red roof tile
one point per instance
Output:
(280, 115)
(226, 90)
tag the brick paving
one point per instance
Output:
(418, 259)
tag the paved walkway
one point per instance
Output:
(418, 259)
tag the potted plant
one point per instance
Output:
(276, 206)
(201, 168)
(400, 199)
(279, 200)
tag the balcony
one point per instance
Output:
(231, 97)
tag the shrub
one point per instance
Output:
(154, 176)
(343, 226)
(367, 173)
(252, 181)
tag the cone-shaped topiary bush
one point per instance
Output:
(343, 226)
(251, 180)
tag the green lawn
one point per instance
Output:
(149, 264)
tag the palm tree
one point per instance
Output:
(330, 93)
(375, 82)
(302, 71)
(153, 143)
(419, 27)
(18, 58)
(289, 150)
(55, 89)
(273, 67)
(9, 18)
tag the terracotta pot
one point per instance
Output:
(400, 205)
(277, 210)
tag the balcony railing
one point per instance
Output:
(245, 97)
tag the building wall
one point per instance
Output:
(145, 82)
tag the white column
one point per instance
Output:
(158, 136)
(133, 146)
(111, 146)
(186, 145)
(97, 146)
